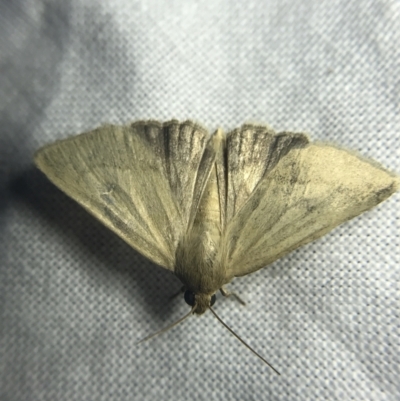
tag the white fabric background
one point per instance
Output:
(75, 298)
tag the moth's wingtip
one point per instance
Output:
(37, 156)
(394, 180)
(396, 183)
(389, 189)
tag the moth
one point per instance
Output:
(213, 207)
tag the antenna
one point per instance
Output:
(157, 333)
(242, 341)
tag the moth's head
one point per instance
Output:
(201, 301)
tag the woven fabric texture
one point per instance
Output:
(75, 299)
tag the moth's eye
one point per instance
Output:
(213, 299)
(190, 297)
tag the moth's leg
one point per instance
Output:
(227, 293)
(182, 290)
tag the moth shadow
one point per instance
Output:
(118, 264)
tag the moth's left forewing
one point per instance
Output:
(141, 180)
(310, 190)
(187, 156)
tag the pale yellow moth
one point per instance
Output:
(211, 208)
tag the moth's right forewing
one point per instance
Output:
(309, 192)
(251, 152)
(135, 179)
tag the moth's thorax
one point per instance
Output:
(197, 265)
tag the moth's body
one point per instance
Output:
(197, 263)
(213, 208)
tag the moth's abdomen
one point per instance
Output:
(209, 213)
(206, 225)
(196, 263)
